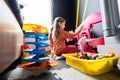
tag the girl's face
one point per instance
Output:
(62, 24)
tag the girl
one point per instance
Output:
(58, 37)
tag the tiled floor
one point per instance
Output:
(60, 72)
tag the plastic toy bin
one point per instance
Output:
(91, 67)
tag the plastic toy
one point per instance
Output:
(39, 43)
(34, 65)
(36, 58)
(35, 28)
(25, 46)
(85, 41)
(92, 67)
(92, 56)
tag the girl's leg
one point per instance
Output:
(68, 49)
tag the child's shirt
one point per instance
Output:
(59, 44)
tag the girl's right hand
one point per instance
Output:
(70, 39)
(71, 32)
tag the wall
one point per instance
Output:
(11, 37)
(111, 22)
(67, 10)
(93, 6)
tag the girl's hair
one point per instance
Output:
(55, 30)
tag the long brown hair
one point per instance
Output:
(55, 30)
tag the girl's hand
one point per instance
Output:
(71, 32)
(67, 39)
(70, 39)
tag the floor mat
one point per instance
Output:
(60, 72)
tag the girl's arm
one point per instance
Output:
(78, 30)
(74, 34)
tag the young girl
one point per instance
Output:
(58, 37)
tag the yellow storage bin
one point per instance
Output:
(91, 67)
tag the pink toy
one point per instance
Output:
(85, 42)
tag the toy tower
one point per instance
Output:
(35, 47)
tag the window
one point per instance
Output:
(37, 12)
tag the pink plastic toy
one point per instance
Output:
(85, 42)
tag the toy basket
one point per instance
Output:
(91, 67)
